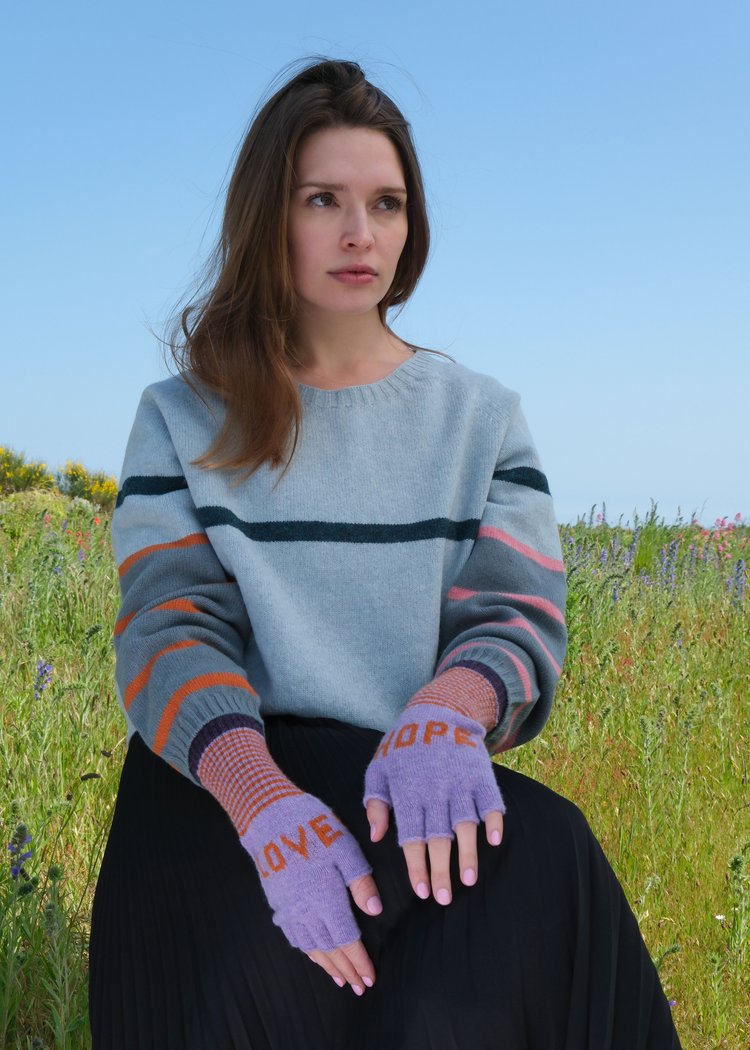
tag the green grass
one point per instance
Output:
(650, 736)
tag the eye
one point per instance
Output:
(316, 196)
(395, 202)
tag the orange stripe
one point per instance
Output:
(123, 622)
(143, 676)
(276, 798)
(201, 681)
(193, 540)
(176, 605)
(179, 605)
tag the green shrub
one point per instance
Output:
(97, 487)
(16, 475)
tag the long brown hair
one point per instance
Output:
(236, 338)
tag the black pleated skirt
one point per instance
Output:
(543, 953)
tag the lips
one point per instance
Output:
(356, 269)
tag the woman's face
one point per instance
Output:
(348, 208)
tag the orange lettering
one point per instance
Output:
(262, 870)
(463, 736)
(273, 853)
(323, 829)
(407, 735)
(300, 846)
(434, 729)
(382, 750)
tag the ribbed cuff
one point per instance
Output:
(237, 768)
(468, 688)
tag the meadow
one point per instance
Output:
(650, 736)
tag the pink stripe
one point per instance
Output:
(523, 674)
(526, 626)
(516, 545)
(459, 594)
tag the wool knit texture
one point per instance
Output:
(432, 767)
(413, 533)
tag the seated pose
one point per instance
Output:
(342, 593)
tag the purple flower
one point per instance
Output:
(19, 856)
(43, 678)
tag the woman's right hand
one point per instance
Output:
(306, 858)
(351, 963)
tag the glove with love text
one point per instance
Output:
(304, 855)
(432, 767)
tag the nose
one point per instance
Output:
(357, 232)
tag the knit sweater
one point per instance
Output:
(413, 533)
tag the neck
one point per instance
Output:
(332, 345)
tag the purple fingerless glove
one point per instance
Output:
(432, 767)
(305, 856)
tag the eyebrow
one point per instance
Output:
(340, 187)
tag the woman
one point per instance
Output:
(317, 662)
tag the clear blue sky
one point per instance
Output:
(588, 174)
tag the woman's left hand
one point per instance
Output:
(433, 770)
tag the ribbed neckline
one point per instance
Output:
(396, 382)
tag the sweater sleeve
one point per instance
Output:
(503, 619)
(182, 628)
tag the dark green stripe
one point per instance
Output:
(340, 531)
(533, 479)
(150, 485)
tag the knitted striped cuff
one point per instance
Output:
(229, 757)
(469, 688)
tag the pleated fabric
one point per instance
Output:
(543, 953)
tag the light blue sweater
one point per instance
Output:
(413, 530)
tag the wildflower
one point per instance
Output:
(20, 838)
(81, 556)
(672, 1004)
(720, 918)
(43, 678)
(737, 583)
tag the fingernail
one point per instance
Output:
(372, 832)
(339, 981)
(423, 890)
(367, 981)
(374, 905)
(443, 896)
(495, 838)
(470, 877)
(357, 990)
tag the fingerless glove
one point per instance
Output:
(304, 855)
(432, 767)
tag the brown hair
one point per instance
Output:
(236, 338)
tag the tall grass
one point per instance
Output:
(650, 736)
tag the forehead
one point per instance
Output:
(348, 155)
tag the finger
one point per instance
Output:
(377, 816)
(354, 965)
(468, 862)
(357, 955)
(326, 964)
(440, 858)
(495, 826)
(366, 895)
(416, 865)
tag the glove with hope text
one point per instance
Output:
(432, 767)
(304, 855)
